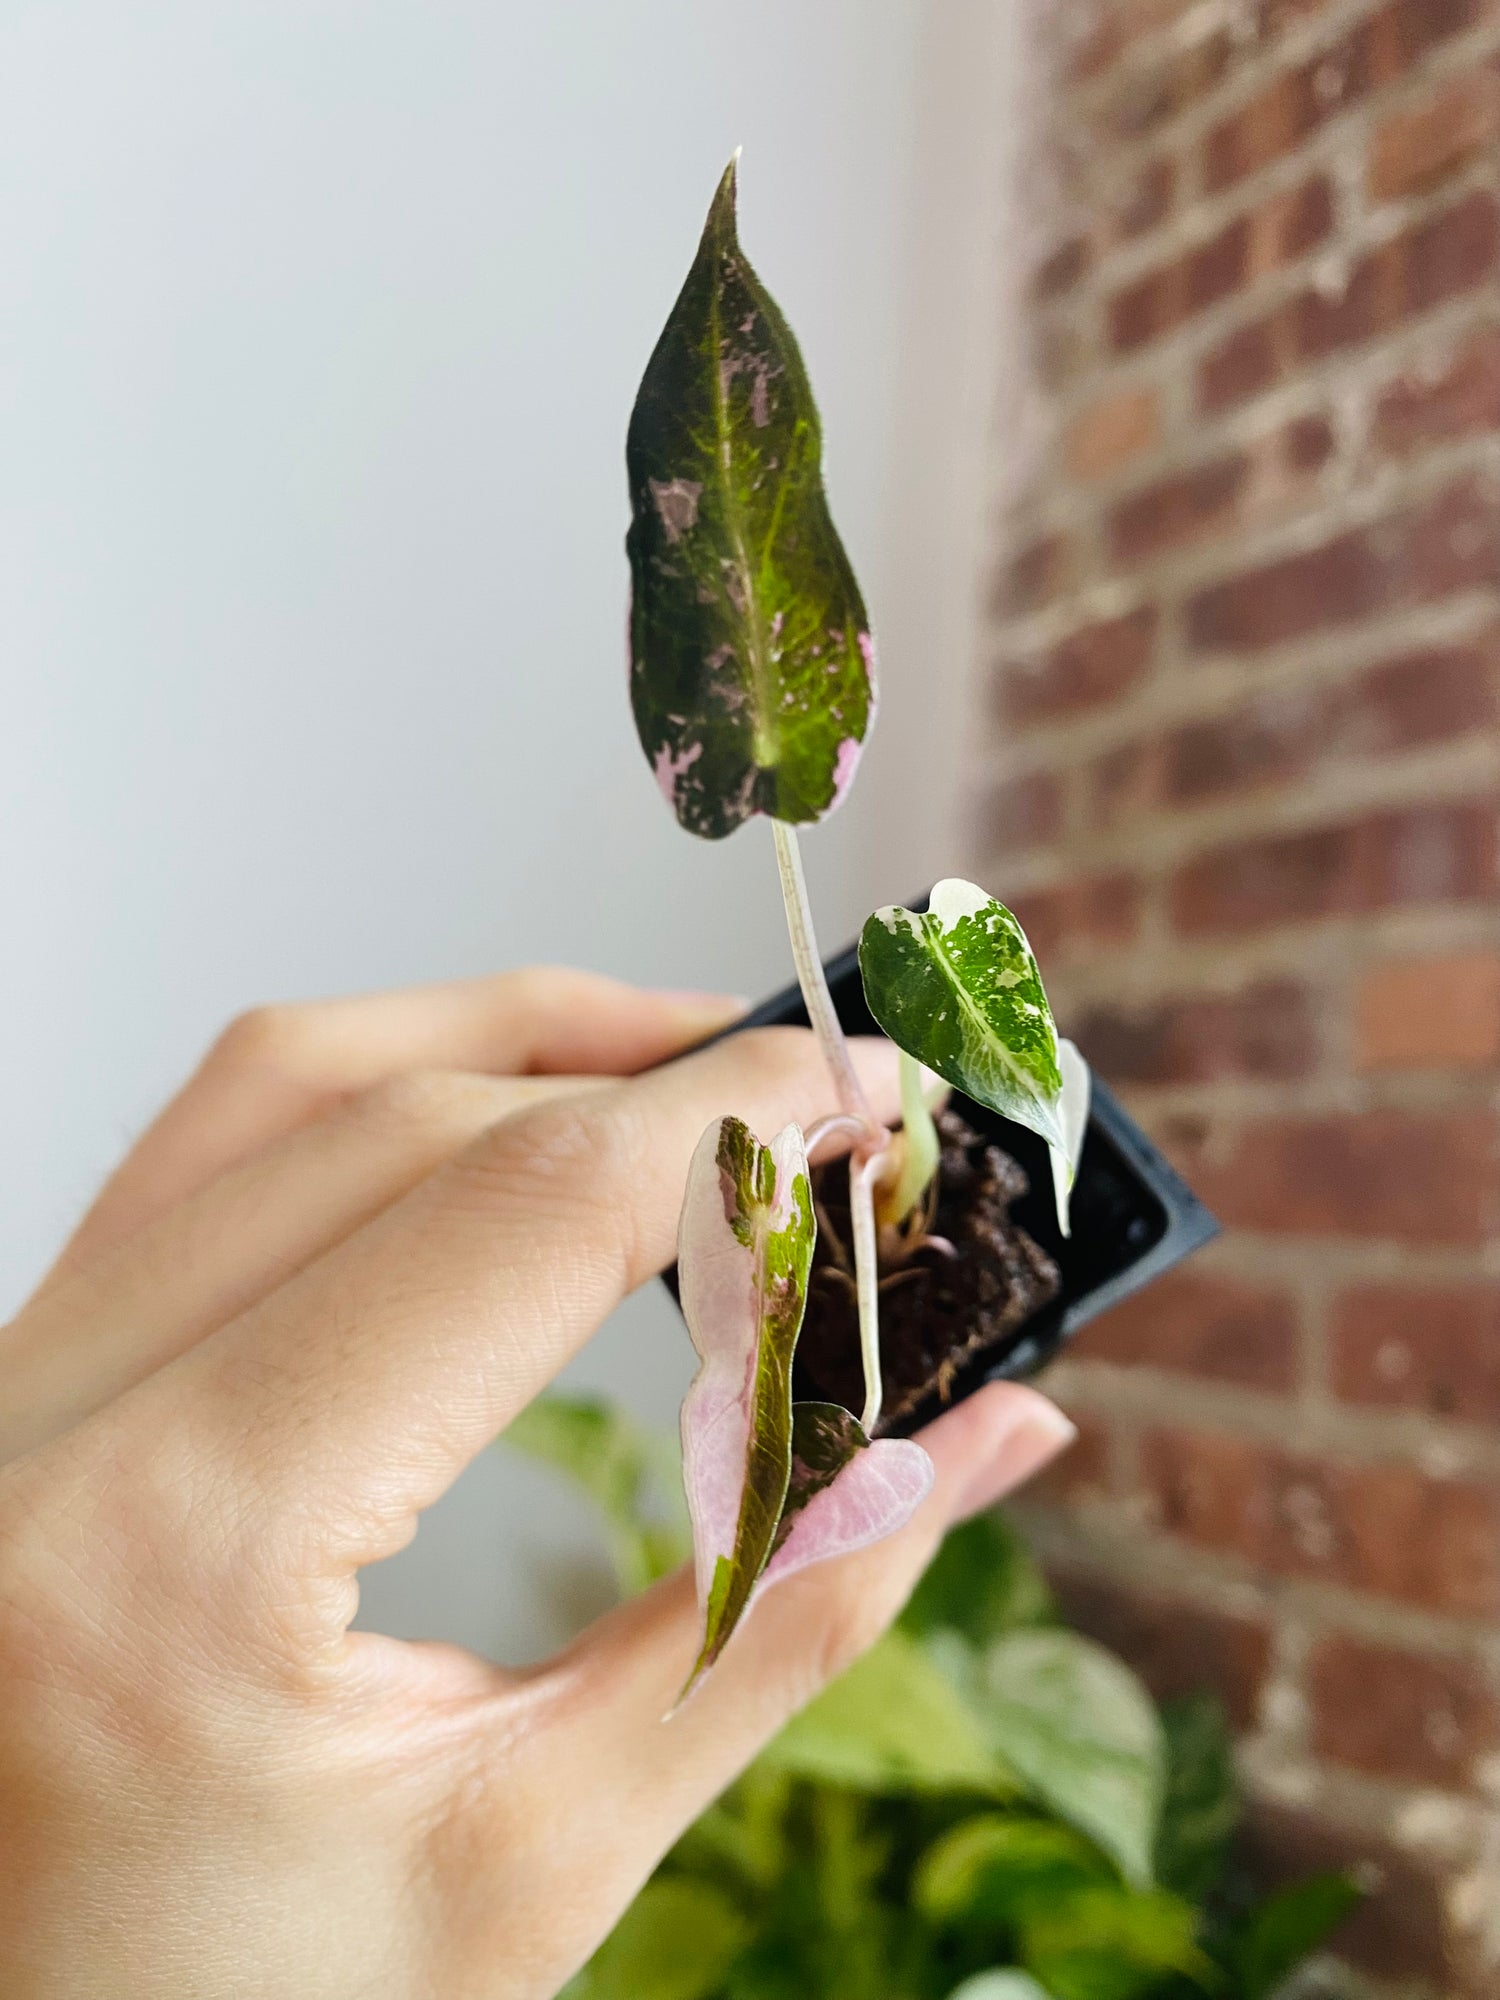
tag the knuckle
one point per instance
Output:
(420, 1100)
(539, 989)
(562, 1147)
(569, 1161)
(261, 1038)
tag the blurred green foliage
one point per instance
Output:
(987, 1806)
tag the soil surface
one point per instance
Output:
(937, 1312)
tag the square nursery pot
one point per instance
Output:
(1133, 1217)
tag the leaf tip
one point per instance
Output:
(721, 215)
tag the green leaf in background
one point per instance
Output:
(893, 1723)
(982, 1583)
(999, 1986)
(957, 987)
(991, 1869)
(1200, 1805)
(1081, 1732)
(1295, 1922)
(1109, 1943)
(751, 662)
(677, 1941)
(629, 1473)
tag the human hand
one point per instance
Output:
(365, 1235)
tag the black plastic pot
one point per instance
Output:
(1133, 1217)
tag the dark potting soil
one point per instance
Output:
(937, 1312)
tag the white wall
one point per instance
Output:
(322, 322)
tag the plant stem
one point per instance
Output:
(866, 1280)
(863, 1159)
(810, 976)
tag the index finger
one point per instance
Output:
(354, 1396)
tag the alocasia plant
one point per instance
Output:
(752, 680)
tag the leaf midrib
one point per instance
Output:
(968, 1007)
(764, 747)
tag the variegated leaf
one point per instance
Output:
(958, 988)
(745, 1246)
(751, 662)
(845, 1492)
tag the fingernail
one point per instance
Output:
(1038, 1433)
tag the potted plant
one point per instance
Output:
(833, 1306)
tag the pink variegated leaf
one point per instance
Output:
(845, 1492)
(745, 1247)
(752, 668)
(771, 1485)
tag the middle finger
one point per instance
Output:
(130, 1310)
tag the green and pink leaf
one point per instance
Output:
(751, 661)
(771, 1486)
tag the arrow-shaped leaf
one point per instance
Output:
(771, 1485)
(745, 1246)
(751, 662)
(958, 988)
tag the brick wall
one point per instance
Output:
(1241, 782)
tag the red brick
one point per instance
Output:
(1396, 37)
(1245, 364)
(1418, 1177)
(1388, 1530)
(1446, 544)
(1299, 101)
(1091, 914)
(1452, 253)
(1398, 1932)
(1430, 1013)
(1038, 574)
(1022, 812)
(1289, 225)
(1398, 1715)
(1307, 443)
(1274, 739)
(1433, 261)
(1415, 150)
(1420, 409)
(1276, 120)
(1397, 858)
(1420, 1347)
(1177, 1648)
(1111, 432)
(1146, 200)
(1265, 1030)
(1278, 232)
(1171, 294)
(1096, 664)
(1419, 697)
(1179, 509)
(1123, 782)
(1198, 1323)
(1063, 269)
